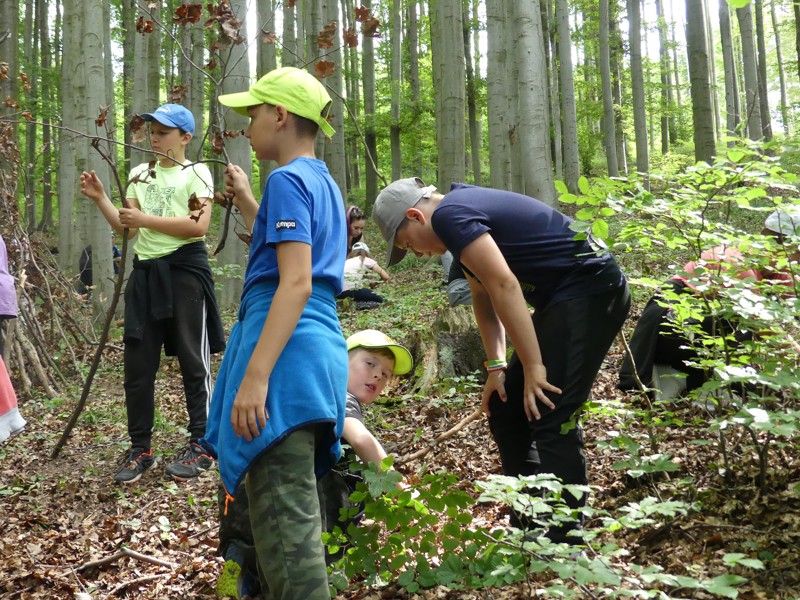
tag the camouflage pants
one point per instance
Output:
(285, 518)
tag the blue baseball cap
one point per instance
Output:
(172, 115)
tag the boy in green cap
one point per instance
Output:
(267, 425)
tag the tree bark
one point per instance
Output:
(637, 90)
(569, 118)
(609, 129)
(396, 87)
(781, 70)
(497, 100)
(751, 87)
(472, 110)
(370, 136)
(449, 76)
(766, 125)
(702, 111)
(665, 78)
(731, 87)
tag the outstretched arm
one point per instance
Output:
(499, 298)
(93, 188)
(366, 446)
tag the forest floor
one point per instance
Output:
(58, 515)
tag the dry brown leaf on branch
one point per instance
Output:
(369, 27)
(325, 38)
(217, 143)
(26, 84)
(11, 103)
(195, 203)
(101, 119)
(290, 3)
(362, 13)
(144, 26)
(138, 129)
(268, 37)
(186, 14)
(177, 94)
(350, 38)
(27, 114)
(324, 68)
(3, 71)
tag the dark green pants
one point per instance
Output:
(285, 517)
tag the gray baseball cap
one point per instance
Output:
(784, 221)
(390, 209)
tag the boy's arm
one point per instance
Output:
(379, 270)
(249, 414)
(237, 187)
(366, 446)
(483, 258)
(93, 188)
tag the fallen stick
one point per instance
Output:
(127, 584)
(407, 458)
(123, 553)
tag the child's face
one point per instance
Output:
(261, 130)
(167, 140)
(417, 236)
(368, 374)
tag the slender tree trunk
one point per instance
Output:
(30, 52)
(46, 222)
(370, 137)
(679, 127)
(555, 93)
(353, 101)
(712, 70)
(702, 111)
(236, 77)
(396, 87)
(637, 90)
(665, 83)
(608, 101)
(412, 73)
(127, 16)
(497, 97)
(569, 117)
(289, 57)
(781, 71)
(472, 118)
(449, 75)
(753, 115)
(616, 81)
(512, 76)
(731, 92)
(766, 124)
(67, 177)
(335, 147)
(796, 8)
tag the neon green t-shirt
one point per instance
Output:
(167, 195)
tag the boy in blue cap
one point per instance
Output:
(278, 408)
(516, 251)
(169, 297)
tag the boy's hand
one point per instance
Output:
(237, 185)
(132, 218)
(91, 186)
(249, 414)
(495, 382)
(535, 386)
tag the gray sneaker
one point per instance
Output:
(194, 461)
(134, 462)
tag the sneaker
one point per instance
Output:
(135, 462)
(236, 581)
(194, 461)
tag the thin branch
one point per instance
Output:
(122, 553)
(407, 458)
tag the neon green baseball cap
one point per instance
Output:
(295, 89)
(372, 338)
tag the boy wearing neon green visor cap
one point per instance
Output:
(268, 426)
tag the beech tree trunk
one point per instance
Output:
(637, 89)
(569, 119)
(751, 87)
(729, 64)
(497, 100)
(609, 129)
(702, 110)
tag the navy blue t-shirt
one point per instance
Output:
(536, 241)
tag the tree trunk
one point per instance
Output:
(781, 71)
(236, 77)
(712, 70)
(334, 147)
(472, 111)
(637, 90)
(796, 8)
(497, 100)
(46, 222)
(731, 91)
(533, 124)
(289, 56)
(616, 81)
(569, 119)
(69, 251)
(449, 90)
(609, 134)
(412, 39)
(31, 56)
(702, 111)
(396, 87)
(370, 137)
(766, 125)
(665, 79)
(753, 104)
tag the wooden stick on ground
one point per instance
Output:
(407, 458)
(123, 552)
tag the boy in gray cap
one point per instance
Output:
(517, 251)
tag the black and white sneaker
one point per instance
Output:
(194, 461)
(134, 462)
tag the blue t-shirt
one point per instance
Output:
(301, 203)
(536, 241)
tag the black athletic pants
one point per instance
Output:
(574, 337)
(187, 334)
